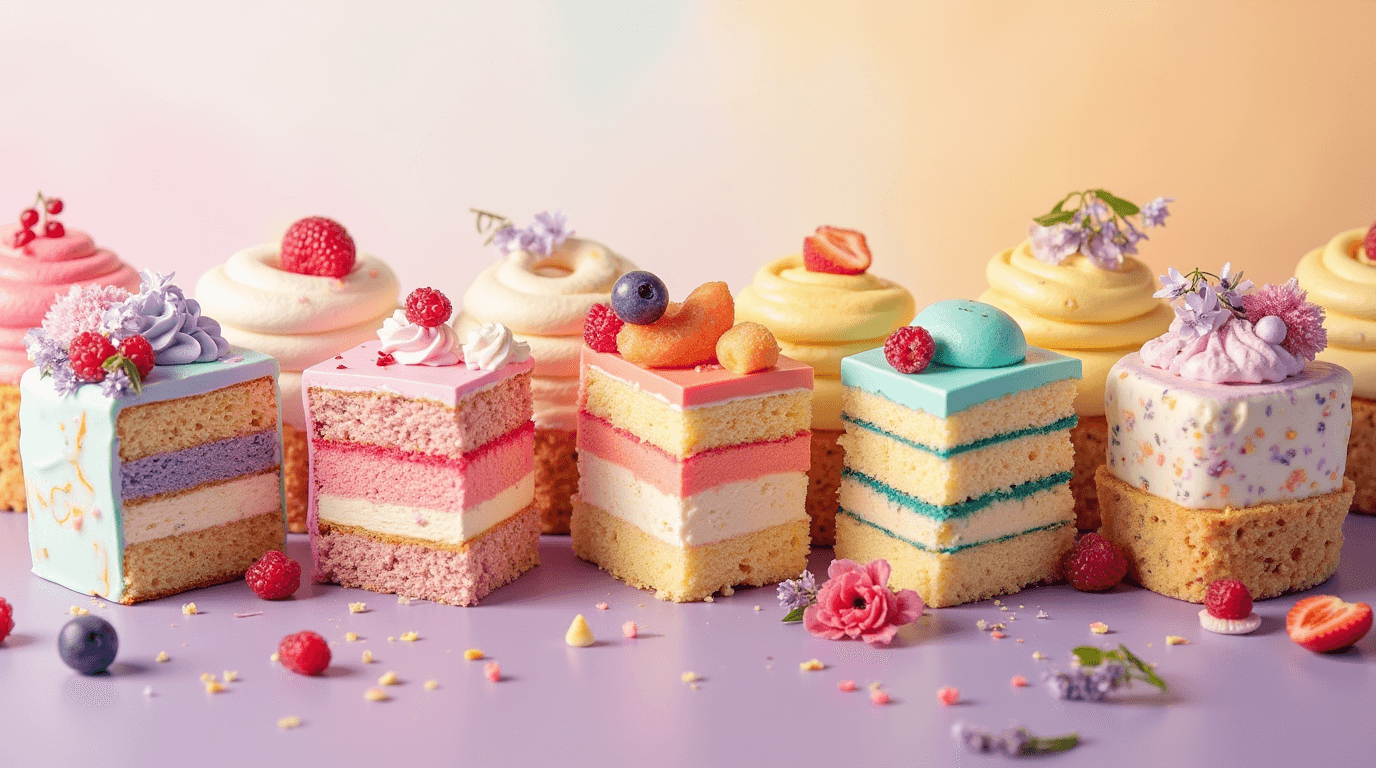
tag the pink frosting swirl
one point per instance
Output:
(412, 344)
(33, 276)
(856, 603)
(1233, 354)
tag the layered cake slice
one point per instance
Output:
(692, 475)
(958, 456)
(1228, 444)
(152, 449)
(422, 459)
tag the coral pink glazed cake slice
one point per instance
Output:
(422, 463)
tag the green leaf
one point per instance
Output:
(1089, 656)
(1055, 217)
(1148, 674)
(793, 616)
(1119, 205)
(1052, 744)
(1061, 204)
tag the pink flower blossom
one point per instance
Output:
(1305, 335)
(857, 603)
(80, 310)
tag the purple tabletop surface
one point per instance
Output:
(1233, 701)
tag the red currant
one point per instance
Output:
(23, 237)
(27, 218)
(54, 229)
(54, 206)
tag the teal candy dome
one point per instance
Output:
(972, 334)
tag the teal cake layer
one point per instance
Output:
(948, 550)
(964, 508)
(945, 453)
(942, 390)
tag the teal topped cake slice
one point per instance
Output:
(957, 449)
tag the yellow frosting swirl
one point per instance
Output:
(1077, 309)
(820, 318)
(1341, 277)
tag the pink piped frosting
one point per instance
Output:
(33, 276)
(1233, 354)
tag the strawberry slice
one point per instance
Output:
(837, 251)
(1325, 623)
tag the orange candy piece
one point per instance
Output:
(747, 348)
(686, 335)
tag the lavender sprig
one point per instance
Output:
(547, 232)
(1205, 307)
(796, 595)
(1098, 672)
(1098, 224)
(1014, 741)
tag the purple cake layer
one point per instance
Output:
(205, 463)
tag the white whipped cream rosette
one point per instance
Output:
(412, 344)
(492, 346)
(543, 301)
(298, 319)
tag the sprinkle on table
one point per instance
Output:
(274, 658)
(690, 677)
(1018, 681)
(162, 657)
(579, 634)
(947, 695)
(357, 607)
(431, 685)
(376, 694)
(189, 609)
(472, 654)
(388, 678)
(350, 637)
(812, 665)
(289, 722)
(230, 676)
(493, 671)
(602, 606)
(410, 637)
(1099, 628)
(997, 635)
(846, 686)
(630, 630)
(367, 657)
(247, 614)
(1038, 656)
(879, 696)
(1176, 640)
(207, 677)
(213, 686)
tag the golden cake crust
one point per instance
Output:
(11, 473)
(295, 476)
(1176, 551)
(1090, 440)
(824, 485)
(1361, 455)
(174, 564)
(556, 477)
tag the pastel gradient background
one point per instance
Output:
(698, 138)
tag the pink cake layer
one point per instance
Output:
(705, 385)
(457, 577)
(699, 472)
(356, 370)
(424, 481)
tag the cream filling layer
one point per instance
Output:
(717, 514)
(426, 524)
(1006, 517)
(200, 508)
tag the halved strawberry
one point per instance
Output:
(835, 250)
(1325, 623)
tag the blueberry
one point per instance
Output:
(88, 644)
(639, 298)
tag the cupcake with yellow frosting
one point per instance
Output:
(542, 289)
(823, 305)
(1341, 278)
(1075, 289)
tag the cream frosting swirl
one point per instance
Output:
(298, 319)
(1233, 354)
(543, 300)
(33, 276)
(412, 344)
(1341, 278)
(1078, 309)
(819, 318)
(492, 346)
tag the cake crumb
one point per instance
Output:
(757, 607)
(947, 695)
(812, 665)
(709, 599)
(1099, 628)
(214, 686)
(410, 637)
(207, 677)
(350, 637)
(1021, 607)
(630, 630)
(403, 600)
(1043, 615)
(728, 591)
(388, 678)
(230, 676)
(77, 610)
(189, 609)
(289, 722)
(162, 657)
(602, 606)
(274, 658)
(391, 639)
(493, 671)
(147, 690)
(1018, 681)
(431, 685)
(1038, 656)
(998, 602)
(1003, 607)
(1019, 640)
(689, 677)
(472, 654)
(357, 607)
(997, 635)
(1176, 640)
(846, 685)
(376, 694)
(579, 634)
(367, 657)
(880, 696)
(981, 625)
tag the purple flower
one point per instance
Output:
(64, 381)
(1130, 237)
(1055, 244)
(1098, 212)
(1175, 285)
(44, 352)
(1154, 213)
(1103, 248)
(116, 383)
(505, 238)
(1013, 741)
(1201, 314)
(1232, 287)
(1081, 685)
(971, 737)
(553, 228)
(798, 593)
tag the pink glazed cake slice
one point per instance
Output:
(421, 477)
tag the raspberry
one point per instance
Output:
(137, 349)
(1228, 599)
(1094, 564)
(274, 576)
(305, 653)
(428, 307)
(88, 352)
(6, 619)
(318, 246)
(909, 349)
(600, 328)
(1369, 243)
